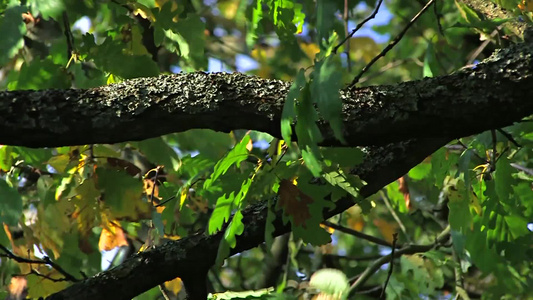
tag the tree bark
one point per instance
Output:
(490, 95)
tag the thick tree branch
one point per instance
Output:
(493, 94)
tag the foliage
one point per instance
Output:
(69, 204)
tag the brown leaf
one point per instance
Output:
(404, 189)
(121, 164)
(294, 202)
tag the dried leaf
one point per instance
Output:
(294, 202)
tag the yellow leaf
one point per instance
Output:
(112, 236)
(174, 285)
(363, 48)
(310, 49)
(59, 162)
(387, 229)
(41, 287)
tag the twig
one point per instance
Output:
(410, 249)
(475, 153)
(45, 261)
(391, 44)
(391, 264)
(394, 215)
(165, 202)
(385, 68)
(164, 292)
(347, 51)
(373, 15)
(359, 234)
(523, 169)
(68, 36)
(345, 257)
(157, 169)
(438, 17)
(509, 137)
(481, 47)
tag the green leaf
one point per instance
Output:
(325, 86)
(420, 172)
(288, 115)
(255, 26)
(325, 20)
(431, 67)
(192, 39)
(312, 161)
(10, 204)
(338, 178)
(12, 29)
(224, 207)
(257, 294)
(41, 74)
(221, 213)
(459, 205)
(159, 152)
(109, 57)
(343, 157)
(238, 154)
(122, 193)
(49, 8)
(235, 228)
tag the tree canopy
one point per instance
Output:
(266, 149)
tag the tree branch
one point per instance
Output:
(490, 95)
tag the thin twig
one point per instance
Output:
(373, 15)
(45, 261)
(481, 47)
(438, 16)
(391, 44)
(509, 137)
(165, 202)
(523, 169)
(347, 51)
(359, 234)
(475, 153)
(385, 68)
(394, 215)
(391, 264)
(164, 292)
(409, 249)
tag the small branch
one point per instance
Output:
(391, 264)
(410, 249)
(391, 44)
(347, 51)
(359, 234)
(509, 137)
(373, 15)
(45, 261)
(523, 169)
(482, 47)
(385, 68)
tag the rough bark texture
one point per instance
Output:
(497, 90)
